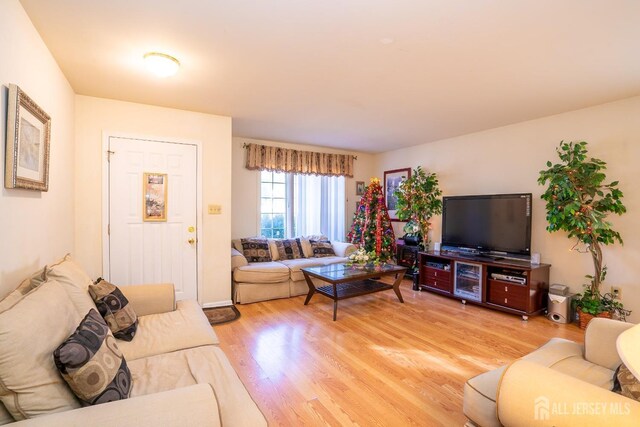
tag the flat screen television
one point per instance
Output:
(498, 224)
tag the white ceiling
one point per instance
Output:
(370, 75)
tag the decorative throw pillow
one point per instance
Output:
(322, 248)
(625, 383)
(26, 286)
(30, 384)
(115, 309)
(91, 363)
(318, 237)
(75, 281)
(256, 250)
(289, 249)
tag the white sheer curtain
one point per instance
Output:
(319, 206)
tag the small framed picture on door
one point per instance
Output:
(154, 190)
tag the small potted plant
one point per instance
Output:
(578, 202)
(418, 200)
(590, 306)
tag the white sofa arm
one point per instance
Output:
(600, 342)
(195, 405)
(534, 395)
(150, 299)
(237, 259)
(343, 249)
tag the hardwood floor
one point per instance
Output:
(381, 363)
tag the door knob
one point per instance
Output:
(191, 241)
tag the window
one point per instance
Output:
(273, 204)
(301, 205)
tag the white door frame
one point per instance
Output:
(105, 199)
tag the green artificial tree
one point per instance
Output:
(578, 202)
(371, 227)
(419, 200)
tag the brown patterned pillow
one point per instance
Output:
(322, 248)
(115, 309)
(625, 383)
(91, 363)
(256, 250)
(289, 249)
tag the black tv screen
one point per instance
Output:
(491, 223)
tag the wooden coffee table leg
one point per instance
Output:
(335, 302)
(396, 286)
(312, 288)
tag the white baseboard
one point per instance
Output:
(217, 304)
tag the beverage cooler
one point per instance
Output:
(468, 281)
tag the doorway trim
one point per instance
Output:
(106, 135)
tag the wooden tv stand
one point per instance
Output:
(470, 280)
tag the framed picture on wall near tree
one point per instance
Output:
(392, 180)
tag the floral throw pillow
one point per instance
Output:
(91, 363)
(289, 249)
(322, 248)
(626, 384)
(256, 250)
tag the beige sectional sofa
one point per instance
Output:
(180, 376)
(260, 281)
(562, 383)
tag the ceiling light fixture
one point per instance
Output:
(161, 64)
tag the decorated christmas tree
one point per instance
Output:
(371, 227)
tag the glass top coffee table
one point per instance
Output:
(350, 281)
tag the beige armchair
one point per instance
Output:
(561, 384)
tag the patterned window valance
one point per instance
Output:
(264, 157)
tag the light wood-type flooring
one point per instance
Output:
(382, 363)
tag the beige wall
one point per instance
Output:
(95, 116)
(245, 185)
(508, 159)
(35, 227)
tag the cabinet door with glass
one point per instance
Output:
(468, 281)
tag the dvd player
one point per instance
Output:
(509, 278)
(437, 265)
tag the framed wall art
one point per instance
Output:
(392, 180)
(154, 190)
(28, 139)
(360, 188)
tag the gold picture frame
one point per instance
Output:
(28, 140)
(392, 180)
(154, 197)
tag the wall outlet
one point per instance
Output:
(215, 209)
(616, 292)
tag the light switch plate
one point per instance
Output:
(215, 209)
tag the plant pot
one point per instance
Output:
(412, 240)
(585, 318)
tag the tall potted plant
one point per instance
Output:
(578, 202)
(418, 200)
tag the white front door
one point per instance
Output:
(161, 248)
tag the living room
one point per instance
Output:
(507, 138)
